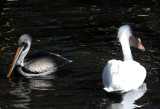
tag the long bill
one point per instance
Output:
(136, 43)
(19, 50)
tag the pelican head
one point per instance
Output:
(124, 30)
(24, 43)
(25, 39)
(125, 36)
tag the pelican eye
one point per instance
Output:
(24, 45)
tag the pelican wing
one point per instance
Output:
(44, 62)
(123, 76)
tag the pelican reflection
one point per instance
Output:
(129, 98)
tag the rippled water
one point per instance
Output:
(84, 32)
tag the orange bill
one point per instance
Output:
(136, 43)
(19, 50)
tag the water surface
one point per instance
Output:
(84, 32)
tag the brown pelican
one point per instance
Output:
(39, 64)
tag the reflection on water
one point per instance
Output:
(22, 95)
(22, 89)
(129, 98)
(85, 32)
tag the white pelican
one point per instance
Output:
(123, 76)
(39, 64)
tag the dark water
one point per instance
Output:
(85, 32)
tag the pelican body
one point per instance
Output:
(123, 76)
(39, 64)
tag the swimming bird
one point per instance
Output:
(123, 76)
(39, 64)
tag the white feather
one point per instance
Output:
(123, 75)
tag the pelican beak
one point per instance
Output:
(19, 51)
(136, 43)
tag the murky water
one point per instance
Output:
(84, 32)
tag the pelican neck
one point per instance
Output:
(127, 55)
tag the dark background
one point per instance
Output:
(84, 31)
